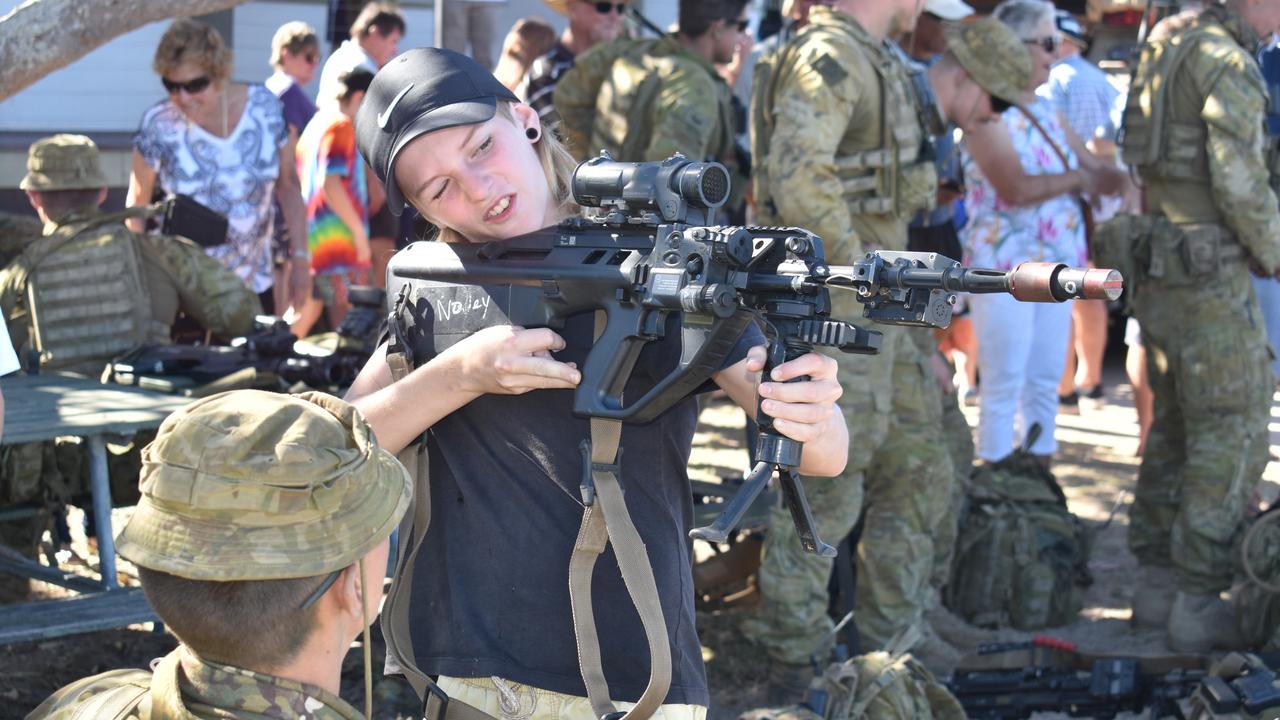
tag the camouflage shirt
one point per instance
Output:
(1215, 134)
(177, 276)
(645, 100)
(184, 687)
(844, 136)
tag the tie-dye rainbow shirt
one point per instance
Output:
(328, 147)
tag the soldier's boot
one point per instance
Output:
(1199, 623)
(937, 655)
(961, 635)
(1153, 591)
(787, 683)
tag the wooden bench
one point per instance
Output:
(46, 619)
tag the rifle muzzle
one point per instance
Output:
(1055, 282)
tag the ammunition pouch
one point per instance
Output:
(1151, 248)
(887, 182)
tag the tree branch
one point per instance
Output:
(40, 36)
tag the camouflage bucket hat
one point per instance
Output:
(562, 6)
(994, 56)
(63, 162)
(251, 485)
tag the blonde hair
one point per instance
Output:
(191, 41)
(557, 165)
(295, 37)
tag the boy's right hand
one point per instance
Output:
(511, 360)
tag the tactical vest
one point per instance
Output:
(1163, 135)
(87, 297)
(894, 177)
(627, 93)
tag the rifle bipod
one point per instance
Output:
(774, 453)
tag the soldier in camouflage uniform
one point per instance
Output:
(1194, 128)
(94, 315)
(261, 541)
(849, 163)
(649, 99)
(86, 291)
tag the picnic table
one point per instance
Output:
(50, 405)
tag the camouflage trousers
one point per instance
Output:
(959, 437)
(900, 470)
(1209, 365)
(53, 473)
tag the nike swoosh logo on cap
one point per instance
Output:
(385, 115)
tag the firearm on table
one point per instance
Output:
(650, 250)
(268, 358)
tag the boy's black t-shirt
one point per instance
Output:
(491, 585)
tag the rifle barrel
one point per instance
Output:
(1028, 282)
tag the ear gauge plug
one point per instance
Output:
(533, 134)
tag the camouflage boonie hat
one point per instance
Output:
(994, 56)
(251, 485)
(63, 162)
(562, 6)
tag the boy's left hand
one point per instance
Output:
(802, 410)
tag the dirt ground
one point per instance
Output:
(1096, 465)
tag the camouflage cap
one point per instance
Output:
(994, 56)
(63, 162)
(251, 485)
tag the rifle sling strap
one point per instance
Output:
(413, 529)
(606, 519)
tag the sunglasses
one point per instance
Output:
(191, 87)
(1048, 43)
(743, 25)
(311, 58)
(604, 7)
(320, 591)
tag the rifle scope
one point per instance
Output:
(667, 187)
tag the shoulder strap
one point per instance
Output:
(602, 522)
(115, 704)
(1049, 139)
(436, 705)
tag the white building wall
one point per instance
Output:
(107, 90)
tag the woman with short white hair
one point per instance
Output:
(1026, 173)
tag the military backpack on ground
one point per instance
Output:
(883, 685)
(1258, 602)
(1021, 555)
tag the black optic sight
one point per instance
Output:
(672, 188)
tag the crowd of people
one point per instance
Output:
(879, 125)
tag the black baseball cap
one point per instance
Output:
(420, 91)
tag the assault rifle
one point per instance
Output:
(648, 250)
(1105, 687)
(269, 357)
(1111, 686)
